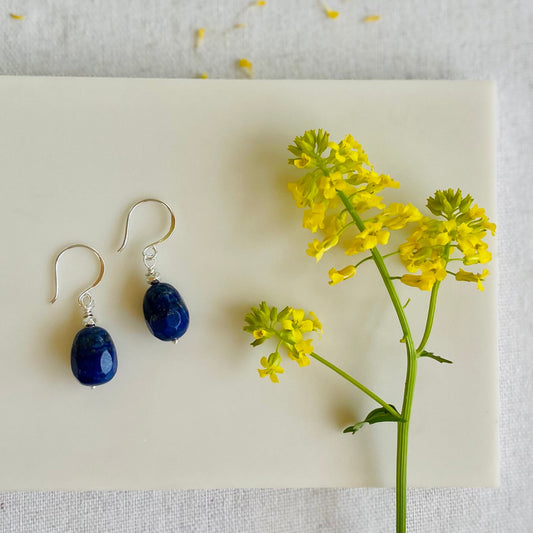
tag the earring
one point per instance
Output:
(165, 312)
(93, 356)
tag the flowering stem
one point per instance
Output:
(431, 316)
(432, 306)
(403, 427)
(353, 381)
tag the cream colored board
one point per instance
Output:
(76, 153)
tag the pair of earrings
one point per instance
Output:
(93, 355)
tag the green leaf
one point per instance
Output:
(436, 357)
(377, 415)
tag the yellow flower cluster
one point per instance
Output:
(430, 247)
(343, 167)
(338, 174)
(288, 328)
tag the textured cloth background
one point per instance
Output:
(453, 39)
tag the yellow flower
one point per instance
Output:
(378, 182)
(431, 273)
(297, 193)
(271, 367)
(314, 217)
(317, 326)
(298, 322)
(303, 161)
(260, 333)
(299, 351)
(477, 212)
(463, 275)
(316, 248)
(333, 224)
(368, 238)
(364, 201)
(424, 282)
(300, 358)
(489, 225)
(331, 183)
(336, 276)
(427, 244)
(480, 254)
(304, 346)
(397, 216)
(352, 143)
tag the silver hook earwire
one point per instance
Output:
(86, 304)
(164, 238)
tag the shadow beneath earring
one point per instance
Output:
(60, 342)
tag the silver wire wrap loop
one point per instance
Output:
(85, 299)
(149, 260)
(149, 252)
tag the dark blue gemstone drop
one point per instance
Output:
(93, 356)
(165, 312)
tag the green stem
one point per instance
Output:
(432, 305)
(430, 317)
(369, 258)
(403, 427)
(353, 381)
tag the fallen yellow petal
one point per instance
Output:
(200, 33)
(260, 3)
(240, 25)
(246, 66)
(17, 17)
(329, 12)
(204, 76)
(372, 18)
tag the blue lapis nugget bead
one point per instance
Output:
(165, 312)
(93, 356)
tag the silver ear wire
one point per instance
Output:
(149, 251)
(85, 299)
